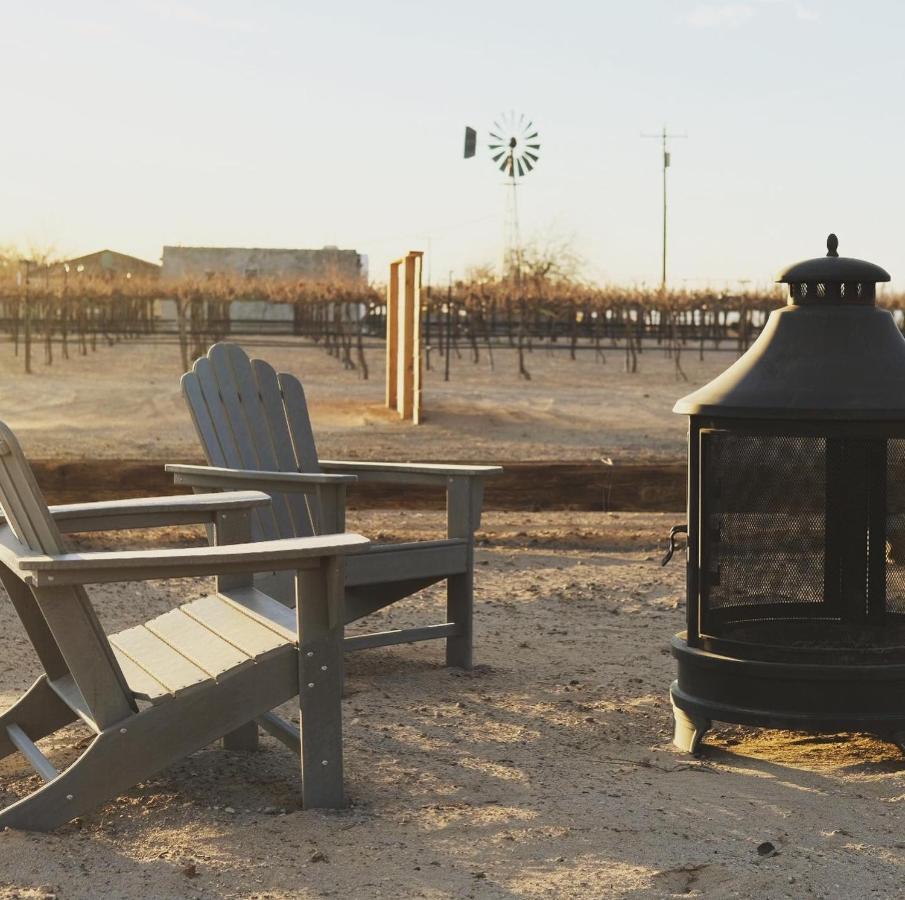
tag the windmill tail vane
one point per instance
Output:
(471, 142)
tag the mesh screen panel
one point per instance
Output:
(764, 519)
(895, 526)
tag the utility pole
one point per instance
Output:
(664, 136)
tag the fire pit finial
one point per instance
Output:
(832, 245)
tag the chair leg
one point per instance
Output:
(460, 609)
(144, 743)
(320, 626)
(73, 793)
(38, 712)
(243, 740)
(463, 516)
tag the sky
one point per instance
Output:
(131, 125)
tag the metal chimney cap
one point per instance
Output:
(830, 354)
(813, 361)
(832, 269)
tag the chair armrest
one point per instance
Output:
(250, 479)
(407, 473)
(152, 512)
(143, 565)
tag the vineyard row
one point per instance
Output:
(58, 318)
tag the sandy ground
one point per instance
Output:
(124, 401)
(545, 772)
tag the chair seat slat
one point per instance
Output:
(159, 659)
(236, 626)
(265, 610)
(142, 685)
(204, 647)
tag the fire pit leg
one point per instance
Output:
(689, 732)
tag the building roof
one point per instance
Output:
(111, 261)
(327, 248)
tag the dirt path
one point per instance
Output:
(124, 402)
(547, 772)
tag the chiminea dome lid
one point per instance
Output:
(829, 354)
(833, 269)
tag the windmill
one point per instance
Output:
(514, 148)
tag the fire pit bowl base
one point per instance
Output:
(818, 698)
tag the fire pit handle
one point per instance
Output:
(676, 529)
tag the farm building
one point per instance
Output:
(326, 264)
(111, 264)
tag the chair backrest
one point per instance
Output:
(250, 417)
(23, 504)
(60, 622)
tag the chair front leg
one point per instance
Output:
(464, 497)
(320, 611)
(234, 527)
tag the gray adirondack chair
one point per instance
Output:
(256, 433)
(154, 693)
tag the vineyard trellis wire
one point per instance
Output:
(46, 308)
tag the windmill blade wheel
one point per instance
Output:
(514, 146)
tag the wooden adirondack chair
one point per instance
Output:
(254, 426)
(154, 693)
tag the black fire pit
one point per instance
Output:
(796, 520)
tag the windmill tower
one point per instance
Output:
(514, 148)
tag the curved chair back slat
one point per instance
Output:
(23, 504)
(249, 417)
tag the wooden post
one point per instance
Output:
(403, 389)
(417, 259)
(406, 364)
(26, 315)
(392, 333)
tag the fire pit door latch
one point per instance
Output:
(676, 529)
